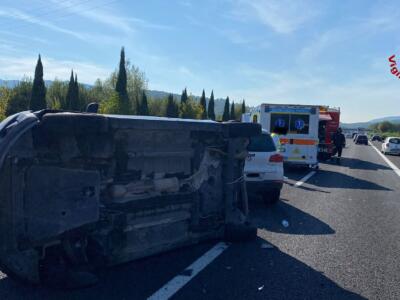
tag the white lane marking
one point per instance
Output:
(387, 160)
(305, 178)
(176, 283)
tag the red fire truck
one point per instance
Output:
(329, 119)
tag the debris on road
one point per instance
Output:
(261, 288)
(267, 246)
(285, 223)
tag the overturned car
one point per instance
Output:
(79, 191)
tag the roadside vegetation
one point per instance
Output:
(123, 92)
(386, 128)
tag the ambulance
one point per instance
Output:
(294, 126)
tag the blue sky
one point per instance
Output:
(280, 51)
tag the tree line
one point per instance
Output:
(123, 92)
(387, 128)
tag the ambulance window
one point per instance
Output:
(280, 123)
(299, 124)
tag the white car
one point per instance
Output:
(263, 170)
(391, 145)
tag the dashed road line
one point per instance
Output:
(387, 160)
(304, 179)
(176, 283)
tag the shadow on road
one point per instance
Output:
(135, 280)
(355, 163)
(248, 271)
(300, 222)
(332, 179)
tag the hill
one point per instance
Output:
(392, 119)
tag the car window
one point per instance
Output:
(261, 143)
(394, 141)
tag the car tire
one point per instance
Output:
(272, 197)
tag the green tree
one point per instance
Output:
(70, 97)
(56, 95)
(5, 96)
(184, 99)
(184, 96)
(203, 104)
(191, 109)
(226, 114)
(243, 107)
(38, 96)
(76, 104)
(20, 97)
(172, 109)
(232, 114)
(211, 109)
(385, 126)
(121, 86)
(157, 107)
(111, 105)
(144, 107)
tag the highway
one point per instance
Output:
(342, 242)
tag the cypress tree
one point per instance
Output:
(211, 112)
(38, 97)
(75, 102)
(172, 108)
(70, 92)
(184, 96)
(203, 104)
(233, 115)
(144, 107)
(184, 99)
(226, 115)
(121, 85)
(243, 107)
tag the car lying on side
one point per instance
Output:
(391, 146)
(361, 139)
(263, 169)
(84, 191)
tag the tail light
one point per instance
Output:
(276, 158)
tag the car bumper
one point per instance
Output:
(395, 152)
(263, 186)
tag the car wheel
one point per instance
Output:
(272, 197)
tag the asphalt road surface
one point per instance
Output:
(342, 242)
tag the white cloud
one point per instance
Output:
(22, 16)
(283, 16)
(97, 14)
(16, 67)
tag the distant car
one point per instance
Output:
(361, 139)
(348, 135)
(263, 170)
(391, 146)
(377, 138)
